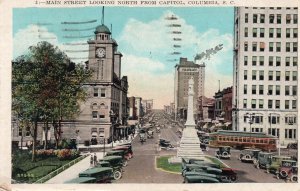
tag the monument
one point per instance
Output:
(190, 143)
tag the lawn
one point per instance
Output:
(163, 163)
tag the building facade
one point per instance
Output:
(265, 71)
(147, 105)
(138, 105)
(183, 72)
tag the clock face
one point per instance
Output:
(100, 52)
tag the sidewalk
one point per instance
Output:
(82, 165)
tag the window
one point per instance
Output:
(262, 18)
(254, 46)
(246, 17)
(277, 90)
(270, 60)
(245, 74)
(294, 90)
(270, 104)
(271, 46)
(254, 59)
(270, 89)
(245, 60)
(277, 104)
(278, 61)
(246, 32)
(261, 89)
(261, 60)
(295, 47)
(253, 89)
(290, 120)
(287, 75)
(277, 75)
(295, 18)
(102, 92)
(271, 32)
(101, 116)
(294, 75)
(287, 47)
(95, 114)
(246, 46)
(261, 75)
(95, 92)
(287, 90)
(245, 88)
(261, 46)
(288, 33)
(254, 32)
(270, 75)
(278, 33)
(254, 18)
(271, 18)
(287, 104)
(253, 103)
(253, 74)
(278, 46)
(287, 61)
(260, 106)
(245, 103)
(289, 133)
(288, 19)
(295, 33)
(275, 119)
(294, 104)
(295, 61)
(278, 19)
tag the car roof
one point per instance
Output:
(111, 157)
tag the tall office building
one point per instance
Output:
(183, 72)
(265, 71)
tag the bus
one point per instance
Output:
(242, 140)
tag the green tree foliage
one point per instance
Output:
(47, 88)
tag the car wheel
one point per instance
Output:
(294, 178)
(240, 158)
(233, 178)
(117, 175)
(283, 174)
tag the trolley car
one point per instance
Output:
(241, 140)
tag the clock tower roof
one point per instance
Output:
(102, 29)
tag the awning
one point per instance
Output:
(94, 134)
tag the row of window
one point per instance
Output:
(273, 18)
(260, 60)
(261, 33)
(271, 90)
(259, 75)
(96, 92)
(289, 46)
(259, 104)
(288, 120)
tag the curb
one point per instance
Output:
(161, 169)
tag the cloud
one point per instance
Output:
(139, 38)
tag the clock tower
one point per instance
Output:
(102, 54)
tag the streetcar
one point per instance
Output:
(242, 140)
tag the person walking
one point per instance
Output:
(92, 161)
(95, 159)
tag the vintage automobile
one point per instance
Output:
(101, 174)
(287, 169)
(150, 134)
(116, 162)
(165, 144)
(204, 147)
(294, 177)
(200, 179)
(119, 153)
(217, 176)
(263, 160)
(273, 167)
(82, 180)
(249, 155)
(127, 151)
(223, 152)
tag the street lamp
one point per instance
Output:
(112, 116)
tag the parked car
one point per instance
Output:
(150, 134)
(200, 179)
(119, 153)
(287, 169)
(275, 163)
(249, 155)
(263, 160)
(101, 174)
(165, 144)
(204, 147)
(127, 151)
(223, 152)
(208, 174)
(116, 162)
(82, 180)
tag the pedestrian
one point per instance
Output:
(92, 161)
(95, 159)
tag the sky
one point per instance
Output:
(144, 38)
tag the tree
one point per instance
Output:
(44, 82)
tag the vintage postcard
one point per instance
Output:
(149, 95)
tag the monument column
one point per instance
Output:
(189, 143)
